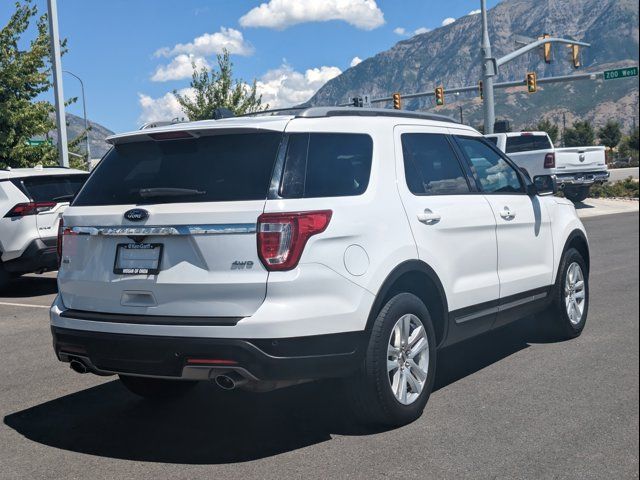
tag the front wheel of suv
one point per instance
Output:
(394, 383)
(157, 388)
(570, 302)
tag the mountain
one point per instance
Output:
(451, 56)
(97, 134)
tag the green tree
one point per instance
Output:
(580, 135)
(545, 125)
(632, 142)
(610, 135)
(24, 75)
(217, 89)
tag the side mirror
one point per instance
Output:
(545, 185)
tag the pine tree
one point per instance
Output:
(610, 135)
(217, 89)
(580, 135)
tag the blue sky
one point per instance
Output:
(132, 53)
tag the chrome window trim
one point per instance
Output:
(167, 230)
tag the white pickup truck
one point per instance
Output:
(576, 168)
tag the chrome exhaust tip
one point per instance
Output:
(78, 366)
(230, 381)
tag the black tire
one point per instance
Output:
(369, 390)
(561, 326)
(157, 388)
(577, 194)
(4, 277)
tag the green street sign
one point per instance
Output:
(620, 73)
(34, 143)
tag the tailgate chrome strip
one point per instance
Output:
(125, 231)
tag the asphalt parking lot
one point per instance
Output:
(511, 404)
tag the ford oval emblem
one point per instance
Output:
(136, 214)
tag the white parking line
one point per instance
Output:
(9, 304)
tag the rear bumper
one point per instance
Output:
(39, 255)
(582, 178)
(302, 358)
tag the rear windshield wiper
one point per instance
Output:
(168, 192)
(64, 198)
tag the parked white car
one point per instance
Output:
(576, 169)
(264, 251)
(31, 202)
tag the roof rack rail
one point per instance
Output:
(320, 112)
(275, 110)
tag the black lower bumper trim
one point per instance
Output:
(322, 356)
(39, 255)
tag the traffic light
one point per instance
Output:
(397, 101)
(480, 90)
(439, 96)
(532, 82)
(547, 49)
(357, 102)
(575, 55)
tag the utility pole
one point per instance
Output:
(564, 127)
(488, 71)
(56, 67)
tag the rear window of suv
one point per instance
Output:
(218, 168)
(52, 188)
(527, 143)
(326, 165)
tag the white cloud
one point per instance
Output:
(179, 68)
(284, 87)
(474, 12)
(210, 44)
(355, 61)
(448, 21)
(421, 30)
(280, 14)
(162, 108)
(399, 31)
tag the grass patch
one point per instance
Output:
(627, 188)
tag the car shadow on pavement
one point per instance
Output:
(209, 426)
(30, 286)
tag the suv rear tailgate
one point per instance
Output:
(191, 247)
(208, 267)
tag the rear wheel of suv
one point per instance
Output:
(570, 303)
(4, 277)
(157, 388)
(394, 383)
(577, 194)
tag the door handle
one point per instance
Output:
(508, 214)
(428, 217)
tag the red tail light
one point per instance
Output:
(550, 160)
(282, 236)
(62, 231)
(30, 208)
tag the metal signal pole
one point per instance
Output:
(488, 71)
(56, 67)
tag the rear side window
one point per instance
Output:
(526, 143)
(219, 168)
(326, 165)
(431, 166)
(493, 171)
(493, 140)
(53, 188)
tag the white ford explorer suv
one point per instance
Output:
(31, 202)
(264, 251)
